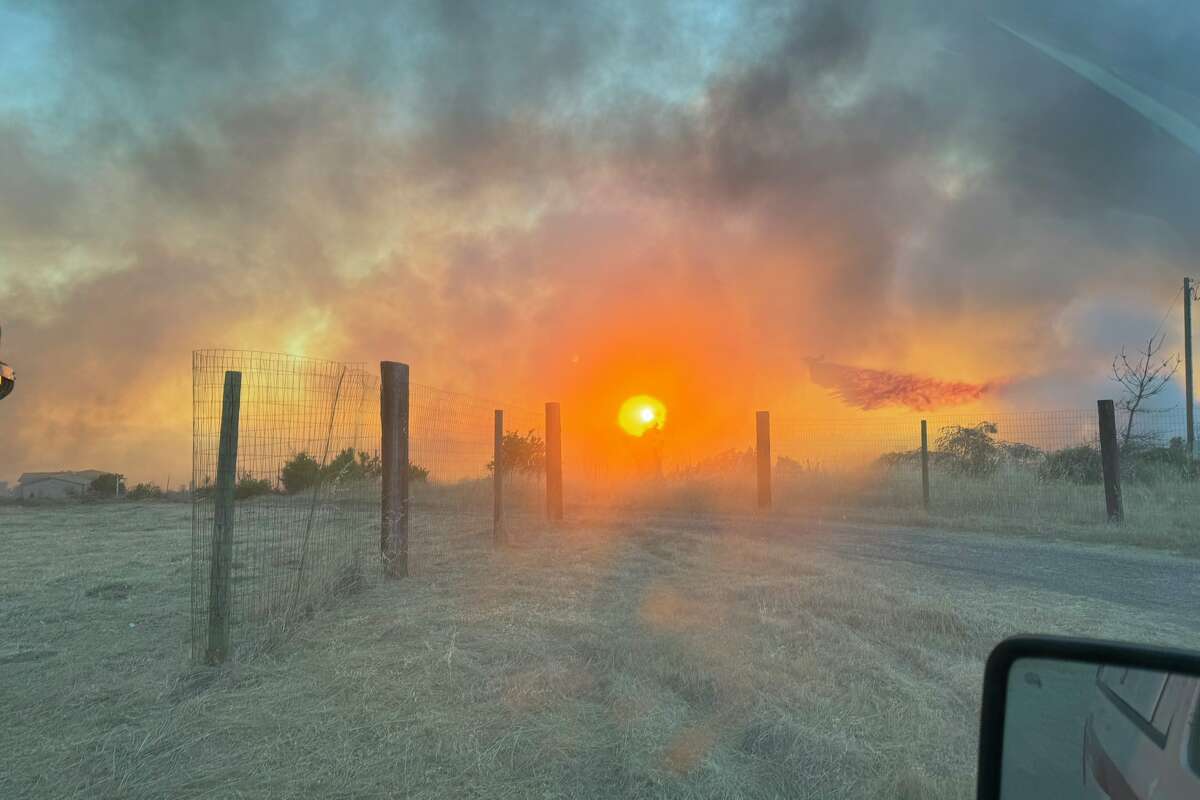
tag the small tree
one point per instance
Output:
(971, 450)
(299, 474)
(107, 485)
(345, 466)
(525, 453)
(248, 486)
(145, 491)
(1142, 378)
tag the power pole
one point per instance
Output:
(1188, 389)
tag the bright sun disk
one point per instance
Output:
(641, 413)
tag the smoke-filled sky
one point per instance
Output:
(580, 201)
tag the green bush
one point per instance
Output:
(1074, 464)
(145, 491)
(1141, 463)
(971, 450)
(249, 486)
(106, 485)
(346, 466)
(300, 473)
(525, 453)
(303, 472)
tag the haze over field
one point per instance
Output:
(583, 202)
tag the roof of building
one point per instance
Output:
(82, 476)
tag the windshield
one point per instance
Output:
(568, 399)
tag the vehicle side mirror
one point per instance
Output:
(1078, 718)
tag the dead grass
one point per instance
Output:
(618, 657)
(1158, 516)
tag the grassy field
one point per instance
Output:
(1159, 516)
(617, 657)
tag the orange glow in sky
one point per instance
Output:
(640, 413)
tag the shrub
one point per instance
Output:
(790, 466)
(145, 491)
(1075, 464)
(723, 463)
(249, 486)
(106, 485)
(1147, 464)
(899, 458)
(300, 473)
(971, 450)
(346, 466)
(417, 474)
(524, 453)
(1021, 453)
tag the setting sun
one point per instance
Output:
(640, 413)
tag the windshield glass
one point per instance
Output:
(570, 399)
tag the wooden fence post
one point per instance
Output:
(925, 464)
(393, 410)
(554, 487)
(498, 537)
(762, 451)
(223, 517)
(1110, 461)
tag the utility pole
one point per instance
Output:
(1188, 390)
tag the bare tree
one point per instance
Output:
(1142, 378)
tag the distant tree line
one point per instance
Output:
(975, 451)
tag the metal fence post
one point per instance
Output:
(1110, 460)
(554, 487)
(498, 536)
(223, 517)
(762, 421)
(925, 464)
(393, 401)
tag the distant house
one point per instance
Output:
(56, 484)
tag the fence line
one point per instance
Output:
(306, 512)
(292, 519)
(1020, 467)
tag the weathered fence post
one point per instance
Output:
(1110, 460)
(223, 515)
(1188, 379)
(763, 452)
(925, 464)
(393, 410)
(554, 486)
(498, 536)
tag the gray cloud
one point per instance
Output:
(828, 178)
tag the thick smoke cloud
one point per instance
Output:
(575, 200)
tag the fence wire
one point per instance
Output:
(306, 510)
(307, 500)
(451, 450)
(1023, 468)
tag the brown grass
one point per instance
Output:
(1158, 516)
(617, 657)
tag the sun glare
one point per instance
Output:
(640, 413)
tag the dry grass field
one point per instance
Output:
(632, 656)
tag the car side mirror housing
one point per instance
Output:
(1089, 719)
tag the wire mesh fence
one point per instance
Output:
(294, 520)
(305, 491)
(304, 495)
(452, 456)
(1020, 468)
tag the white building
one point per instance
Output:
(56, 484)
